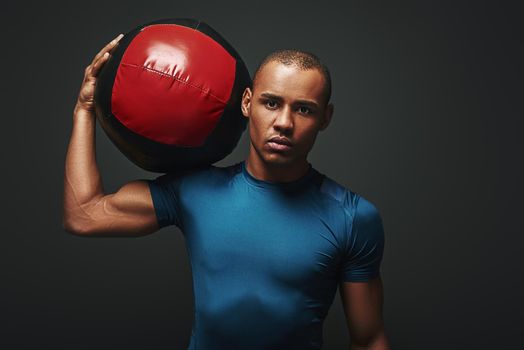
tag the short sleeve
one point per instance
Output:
(365, 246)
(165, 195)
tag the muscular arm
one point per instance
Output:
(87, 209)
(362, 303)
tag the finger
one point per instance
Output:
(111, 45)
(95, 69)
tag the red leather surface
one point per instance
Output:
(172, 85)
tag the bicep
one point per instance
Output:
(362, 302)
(128, 212)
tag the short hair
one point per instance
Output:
(301, 59)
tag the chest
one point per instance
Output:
(289, 239)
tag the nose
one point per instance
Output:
(284, 121)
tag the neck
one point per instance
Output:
(275, 172)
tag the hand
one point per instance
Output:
(85, 99)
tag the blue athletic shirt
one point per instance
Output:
(267, 257)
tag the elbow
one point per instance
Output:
(73, 227)
(378, 341)
(75, 220)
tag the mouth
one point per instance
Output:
(279, 143)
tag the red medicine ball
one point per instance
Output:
(169, 97)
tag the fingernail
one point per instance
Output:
(120, 36)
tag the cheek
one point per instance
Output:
(307, 136)
(255, 133)
(258, 125)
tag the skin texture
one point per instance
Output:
(363, 305)
(88, 211)
(287, 102)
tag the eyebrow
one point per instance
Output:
(299, 102)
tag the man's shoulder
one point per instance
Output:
(222, 172)
(357, 207)
(333, 190)
(349, 199)
(209, 175)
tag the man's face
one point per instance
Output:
(286, 103)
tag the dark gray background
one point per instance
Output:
(427, 125)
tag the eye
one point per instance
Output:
(304, 110)
(271, 104)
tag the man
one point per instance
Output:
(270, 238)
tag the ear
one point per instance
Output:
(327, 116)
(246, 102)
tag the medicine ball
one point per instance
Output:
(169, 96)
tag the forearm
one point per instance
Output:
(82, 181)
(379, 342)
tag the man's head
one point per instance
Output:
(300, 59)
(289, 100)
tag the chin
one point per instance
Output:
(278, 159)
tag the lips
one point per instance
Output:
(279, 144)
(281, 140)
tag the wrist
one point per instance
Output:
(81, 111)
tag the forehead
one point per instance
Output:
(290, 82)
